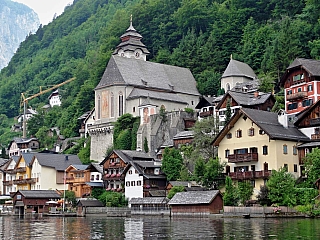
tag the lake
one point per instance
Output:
(156, 227)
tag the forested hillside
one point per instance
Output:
(197, 34)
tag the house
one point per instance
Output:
(3, 165)
(129, 82)
(23, 172)
(183, 138)
(301, 84)
(81, 179)
(10, 175)
(254, 142)
(188, 185)
(29, 114)
(33, 201)
(207, 106)
(114, 165)
(199, 202)
(87, 119)
(20, 145)
(235, 73)
(83, 205)
(148, 204)
(141, 177)
(238, 99)
(55, 98)
(49, 170)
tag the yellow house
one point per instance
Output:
(254, 142)
(23, 172)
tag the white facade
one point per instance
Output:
(10, 177)
(55, 99)
(133, 184)
(95, 177)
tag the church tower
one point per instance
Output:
(131, 45)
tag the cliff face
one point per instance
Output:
(17, 21)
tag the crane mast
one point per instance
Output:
(26, 99)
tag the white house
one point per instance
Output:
(55, 98)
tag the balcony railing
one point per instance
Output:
(206, 114)
(297, 95)
(245, 157)
(112, 176)
(25, 181)
(17, 170)
(249, 175)
(315, 136)
(7, 183)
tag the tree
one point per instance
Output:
(281, 187)
(228, 112)
(312, 167)
(263, 197)
(230, 196)
(113, 199)
(70, 197)
(245, 190)
(145, 145)
(172, 163)
(175, 190)
(212, 177)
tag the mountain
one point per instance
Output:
(200, 35)
(17, 21)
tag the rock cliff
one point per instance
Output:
(17, 21)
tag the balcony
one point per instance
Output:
(21, 169)
(206, 114)
(297, 95)
(249, 175)
(112, 176)
(25, 181)
(315, 136)
(7, 183)
(245, 157)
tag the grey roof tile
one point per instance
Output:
(237, 68)
(184, 134)
(39, 194)
(58, 161)
(137, 93)
(311, 65)
(149, 200)
(193, 197)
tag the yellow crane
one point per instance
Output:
(24, 101)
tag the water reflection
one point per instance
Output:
(101, 227)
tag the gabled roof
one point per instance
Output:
(27, 157)
(310, 65)
(95, 184)
(90, 203)
(237, 68)
(38, 194)
(246, 98)
(149, 200)
(183, 183)
(148, 75)
(80, 167)
(206, 101)
(58, 161)
(129, 155)
(21, 141)
(141, 165)
(183, 135)
(266, 121)
(194, 197)
(306, 112)
(96, 166)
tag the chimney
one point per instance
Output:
(256, 94)
(283, 118)
(66, 158)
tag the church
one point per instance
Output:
(131, 84)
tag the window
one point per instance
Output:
(134, 109)
(139, 183)
(285, 149)
(307, 102)
(294, 150)
(239, 133)
(295, 167)
(265, 150)
(289, 92)
(292, 106)
(112, 105)
(251, 132)
(299, 89)
(120, 104)
(133, 183)
(261, 132)
(99, 107)
(310, 88)
(253, 183)
(136, 171)
(130, 171)
(127, 184)
(229, 135)
(227, 152)
(285, 166)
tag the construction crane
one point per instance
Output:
(24, 101)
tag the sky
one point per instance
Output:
(46, 8)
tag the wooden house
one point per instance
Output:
(33, 201)
(196, 202)
(20, 145)
(84, 204)
(183, 138)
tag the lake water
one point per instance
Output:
(101, 227)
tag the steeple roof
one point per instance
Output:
(240, 69)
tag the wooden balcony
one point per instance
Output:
(315, 136)
(297, 95)
(206, 114)
(16, 170)
(25, 181)
(112, 177)
(245, 157)
(7, 183)
(249, 175)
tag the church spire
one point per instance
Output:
(131, 45)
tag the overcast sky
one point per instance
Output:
(46, 8)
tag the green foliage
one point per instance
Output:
(175, 190)
(172, 163)
(189, 110)
(84, 152)
(306, 196)
(97, 192)
(228, 112)
(245, 190)
(311, 209)
(230, 196)
(145, 145)
(263, 197)
(281, 187)
(70, 197)
(184, 174)
(124, 132)
(312, 167)
(113, 199)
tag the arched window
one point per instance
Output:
(228, 86)
(99, 108)
(112, 104)
(120, 104)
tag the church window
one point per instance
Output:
(112, 104)
(120, 104)
(99, 107)
(228, 87)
